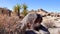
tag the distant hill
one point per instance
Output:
(45, 13)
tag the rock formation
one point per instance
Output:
(5, 11)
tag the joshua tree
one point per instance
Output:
(24, 9)
(17, 9)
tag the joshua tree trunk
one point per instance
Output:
(18, 13)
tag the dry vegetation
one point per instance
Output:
(8, 23)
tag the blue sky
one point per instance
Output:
(48, 5)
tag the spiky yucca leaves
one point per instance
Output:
(24, 9)
(17, 9)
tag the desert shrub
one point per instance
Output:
(8, 24)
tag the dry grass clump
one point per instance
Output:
(8, 24)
